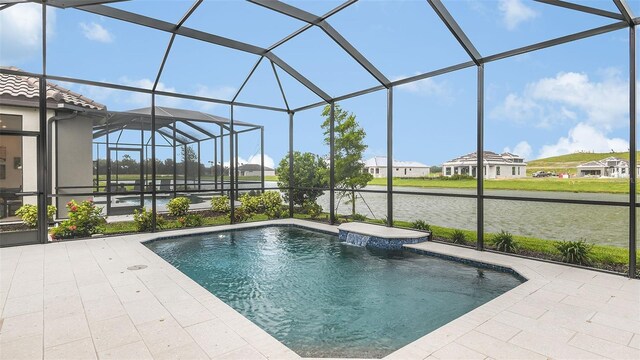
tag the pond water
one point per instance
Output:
(607, 225)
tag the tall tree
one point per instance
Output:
(309, 175)
(349, 148)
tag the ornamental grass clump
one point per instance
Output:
(575, 252)
(85, 219)
(458, 237)
(505, 242)
(179, 206)
(29, 214)
(421, 225)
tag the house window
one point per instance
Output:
(497, 170)
(624, 170)
(485, 170)
(405, 171)
(513, 170)
(3, 172)
(10, 122)
(518, 170)
(377, 171)
(448, 171)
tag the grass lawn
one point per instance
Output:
(587, 185)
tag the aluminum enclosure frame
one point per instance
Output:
(623, 19)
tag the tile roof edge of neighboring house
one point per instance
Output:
(27, 87)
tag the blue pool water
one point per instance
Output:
(323, 298)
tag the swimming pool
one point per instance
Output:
(160, 200)
(323, 298)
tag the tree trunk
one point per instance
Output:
(353, 203)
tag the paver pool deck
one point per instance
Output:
(79, 300)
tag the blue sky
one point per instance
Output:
(550, 102)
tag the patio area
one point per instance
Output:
(83, 300)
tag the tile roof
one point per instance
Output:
(488, 157)
(382, 161)
(27, 88)
(605, 162)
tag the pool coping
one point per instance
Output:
(553, 298)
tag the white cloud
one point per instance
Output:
(522, 148)
(21, 32)
(222, 93)
(567, 97)
(96, 32)
(142, 99)
(268, 161)
(584, 137)
(604, 103)
(428, 87)
(241, 161)
(514, 12)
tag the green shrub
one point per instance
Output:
(421, 225)
(85, 219)
(221, 204)
(312, 209)
(575, 252)
(458, 237)
(143, 220)
(505, 242)
(360, 217)
(29, 214)
(252, 203)
(179, 206)
(272, 202)
(240, 215)
(191, 220)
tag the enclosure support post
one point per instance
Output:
(154, 207)
(175, 162)
(262, 159)
(232, 194)
(632, 152)
(185, 160)
(291, 180)
(43, 183)
(332, 168)
(221, 161)
(199, 172)
(236, 168)
(480, 161)
(215, 164)
(390, 156)
(41, 163)
(142, 164)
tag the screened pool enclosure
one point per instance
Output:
(190, 99)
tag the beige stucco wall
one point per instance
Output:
(73, 139)
(398, 172)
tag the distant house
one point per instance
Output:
(496, 166)
(377, 166)
(254, 170)
(611, 167)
